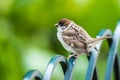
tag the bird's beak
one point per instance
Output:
(56, 25)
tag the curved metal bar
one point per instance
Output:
(112, 53)
(94, 54)
(71, 64)
(33, 74)
(52, 64)
(117, 68)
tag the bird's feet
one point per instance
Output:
(72, 55)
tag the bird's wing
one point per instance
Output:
(82, 32)
(74, 39)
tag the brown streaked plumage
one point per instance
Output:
(74, 38)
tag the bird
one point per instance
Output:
(75, 39)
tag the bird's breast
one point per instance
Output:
(65, 45)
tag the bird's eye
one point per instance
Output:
(61, 24)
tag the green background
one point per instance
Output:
(28, 35)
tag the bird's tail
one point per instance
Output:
(92, 43)
(96, 40)
(101, 38)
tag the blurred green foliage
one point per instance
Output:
(28, 35)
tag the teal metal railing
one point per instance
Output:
(68, 66)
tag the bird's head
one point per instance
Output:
(63, 24)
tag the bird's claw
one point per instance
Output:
(72, 55)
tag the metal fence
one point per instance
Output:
(68, 66)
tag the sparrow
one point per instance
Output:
(75, 39)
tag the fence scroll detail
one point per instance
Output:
(68, 66)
